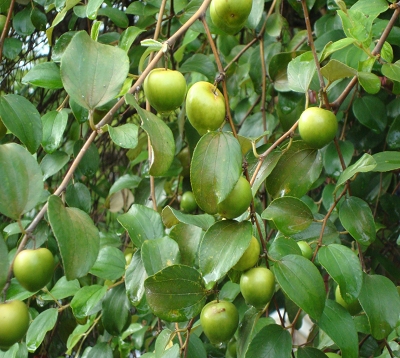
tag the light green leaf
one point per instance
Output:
(46, 75)
(300, 72)
(332, 47)
(392, 70)
(134, 279)
(129, 35)
(386, 161)
(62, 289)
(110, 263)
(365, 164)
(53, 163)
(87, 300)
(335, 70)
(127, 181)
(54, 124)
(37, 330)
(171, 217)
(126, 135)
(369, 81)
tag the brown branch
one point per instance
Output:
(6, 27)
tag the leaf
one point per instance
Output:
(365, 164)
(134, 278)
(159, 253)
(332, 47)
(125, 135)
(393, 136)
(117, 16)
(370, 82)
(77, 334)
(357, 218)
(21, 181)
(54, 124)
(52, 163)
(289, 214)
(92, 73)
(127, 181)
(162, 341)
(371, 112)
(62, 289)
(200, 63)
(221, 248)
(298, 168)
(338, 324)
(310, 352)
(215, 169)
(332, 164)
(171, 217)
(101, 350)
(392, 71)
(136, 222)
(87, 300)
(176, 293)
(45, 75)
(4, 263)
(270, 341)
(110, 263)
(78, 196)
(386, 161)
(343, 265)
(301, 281)
(300, 72)
(129, 35)
(381, 303)
(335, 70)
(90, 161)
(22, 119)
(37, 330)
(283, 246)
(161, 138)
(77, 237)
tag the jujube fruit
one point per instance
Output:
(237, 201)
(257, 286)
(249, 257)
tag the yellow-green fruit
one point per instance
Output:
(257, 286)
(3, 129)
(250, 256)
(306, 249)
(14, 322)
(353, 307)
(238, 200)
(188, 202)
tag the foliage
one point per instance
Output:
(89, 170)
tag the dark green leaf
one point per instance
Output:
(126, 181)
(134, 279)
(52, 163)
(110, 263)
(90, 161)
(371, 112)
(62, 289)
(171, 217)
(199, 63)
(22, 22)
(43, 323)
(54, 124)
(393, 136)
(78, 196)
(365, 164)
(283, 246)
(117, 16)
(126, 135)
(331, 159)
(87, 300)
(101, 350)
(129, 35)
(12, 48)
(310, 352)
(46, 75)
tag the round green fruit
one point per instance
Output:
(306, 249)
(165, 89)
(230, 15)
(257, 286)
(14, 319)
(238, 200)
(232, 349)
(353, 307)
(219, 320)
(317, 127)
(250, 256)
(205, 107)
(188, 202)
(34, 268)
(333, 355)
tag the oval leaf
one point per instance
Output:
(283, 246)
(134, 279)
(87, 300)
(365, 164)
(126, 135)
(110, 263)
(43, 323)
(54, 124)
(171, 217)
(53, 163)
(46, 75)
(310, 352)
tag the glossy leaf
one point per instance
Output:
(21, 181)
(134, 278)
(92, 73)
(54, 124)
(332, 164)
(171, 217)
(4, 262)
(125, 135)
(46, 75)
(381, 303)
(101, 350)
(300, 72)
(62, 289)
(110, 263)
(298, 168)
(37, 330)
(78, 196)
(215, 169)
(199, 63)
(221, 248)
(22, 119)
(393, 136)
(77, 237)
(283, 246)
(176, 293)
(357, 218)
(52, 163)
(343, 265)
(386, 161)
(289, 214)
(365, 164)
(302, 283)
(371, 112)
(129, 35)
(370, 82)
(87, 300)
(136, 220)
(338, 324)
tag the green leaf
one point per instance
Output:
(101, 350)
(4, 263)
(356, 24)
(161, 342)
(110, 263)
(53, 163)
(171, 217)
(283, 246)
(332, 164)
(335, 70)
(370, 82)
(386, 161)
(78, 333)
(393, 136)
(92, 73)
(126, 135)
(90, 161)
(343, 265)
(161, 139)
(37, 330)
(117, 16)
(310, 352)
(54, 124)
(136, 221)
(46, 75)
(381, 303)
(371, 112)
(302, 283)
(22, 119)
(176, 293)
(300, 72)
(12, 48)
(298, 168)
(338, 324)
(289, 214)
(371, 7)
(221, 248)
(22, 23)
(332, 47)
(87, 300)
(196, 348)
(215, 169)
(127, 181)
(92, 7)
(270, 341)
(357, 218)
(392, 71)
(62, 289)
(78, 196)
(21, 181)
(77, 237)
(159, 253)
(365, 164)
(129, 35)
(199, 63)
(134, 279)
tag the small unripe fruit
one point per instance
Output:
(250, 256)
(257, 286)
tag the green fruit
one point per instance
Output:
(230, 15)
(165, 89)
(188, 202)
(333, 355)
(317, 127)
(257, 286)
(250, 256)
(14, 322)
(232, 349)
(238, 200)
(219, 320)
(205, 107)
(306, 249)
(353, 307)
(34, 268)
(184, 158)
